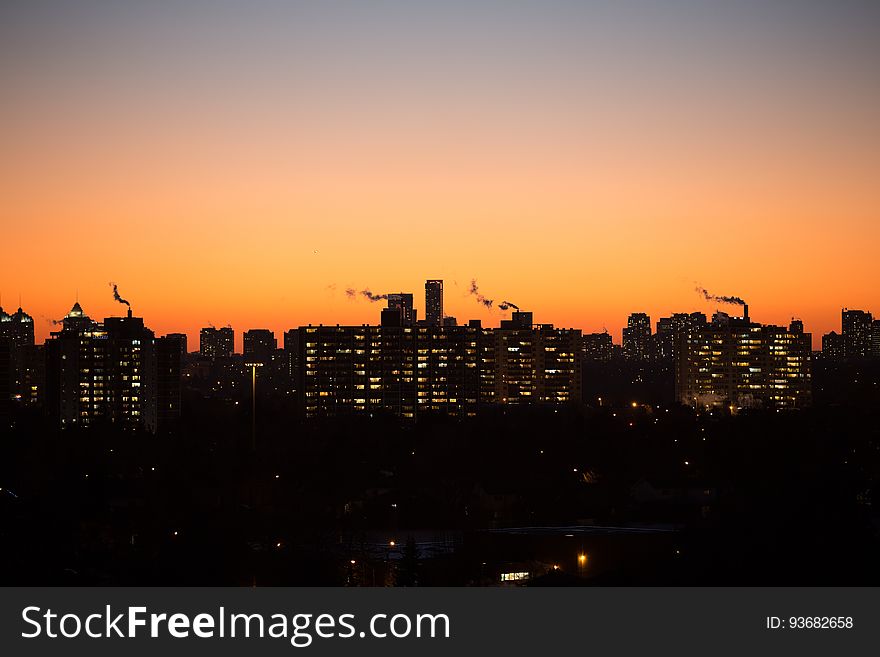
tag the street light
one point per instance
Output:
(254, 367)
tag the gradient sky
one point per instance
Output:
(244, 163)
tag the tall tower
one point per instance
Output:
(856, 333)
(637, 337)
(434, 302)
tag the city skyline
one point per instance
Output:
(370, 304)
(246, 163)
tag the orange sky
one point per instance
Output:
(252, 187)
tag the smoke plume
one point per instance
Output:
(734, 301)
(502, 305)
(475, 291)
(367, 294)
(116, 296)
(373, 297)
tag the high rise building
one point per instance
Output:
(832, 346)
(216, 343)
(448, 370)
(350, 370)
(181, 340)
(403, 301)
(170, 354)
(875, 338)
(99, 373)
(597, 347)
(857, 328)
(259, 345)
(18, 327)
(735, 362)
(452, 370)
(666, 342)
(292, 362)
(17, 330)
(5, 382)
(434, 302)
(537, 365)
(637, 337)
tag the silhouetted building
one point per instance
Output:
(637, 337)
(5, 381)
(540, 365)
(450, 370)
(832, 346)
(857, 329)
(875, 338)
(181, 340)
(349, 370)
(170, 353)
(597, 347)
(216, 343)
(18, 330)
(102, 373)
(449, 320)
(259, 345)
(519, 319)
(671, 331)
(391, 317)
(403, 301)
(434, 302)
(18, 327)
(735, 362)
(292, 362)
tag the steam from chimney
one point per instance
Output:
(502, 305)
(734, 301)
(352, 293)
(475, 291)
(116, 296)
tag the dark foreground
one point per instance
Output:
(623, 494)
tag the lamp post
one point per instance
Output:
(254, 365)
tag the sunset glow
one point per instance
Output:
(246, 165)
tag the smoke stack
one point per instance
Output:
(746, 311)
(117, 297)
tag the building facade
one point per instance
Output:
(103, 373)
(434, 302)
(597, 347)
(259, 345)
(403, 302)
(733, 362)
(637, 337)
(216, 343)
(448, 370)
(857, 328)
